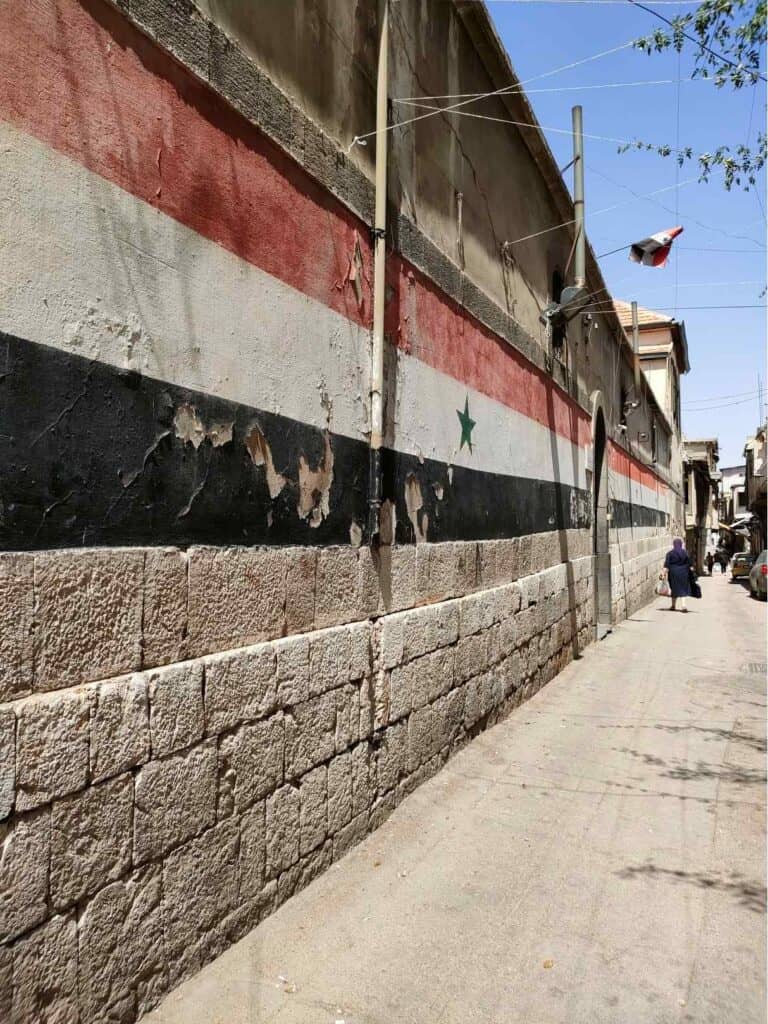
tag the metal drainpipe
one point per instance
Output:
(379, 271)
(579, 261)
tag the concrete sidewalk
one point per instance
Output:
(598, 857)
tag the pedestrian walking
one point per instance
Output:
(677, 568)
(710, 562)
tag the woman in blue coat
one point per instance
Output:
(677, 566)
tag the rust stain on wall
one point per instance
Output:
(315, 486)
(261, 455)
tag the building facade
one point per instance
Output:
(216, 677)
(755, 485)
(701, 481)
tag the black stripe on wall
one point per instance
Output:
(625, 514)
(89, 455)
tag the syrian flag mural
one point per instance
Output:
(653, 251)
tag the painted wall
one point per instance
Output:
(210, 685)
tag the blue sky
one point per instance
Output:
(727, 346)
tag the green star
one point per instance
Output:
(467, 425)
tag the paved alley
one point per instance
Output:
(597, 857)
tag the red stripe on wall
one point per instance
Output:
(78, 76)
(620, 461)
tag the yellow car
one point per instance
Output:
(741, 566)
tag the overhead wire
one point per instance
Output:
(724, 405)
(696, 42)
(723, 398)
(669, 209)
(558, 88)
(597, 213)
(361, 139)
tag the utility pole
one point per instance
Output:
(379, 271)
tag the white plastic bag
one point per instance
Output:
(663, 589)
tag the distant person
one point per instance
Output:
(710, 562)
(677, 568)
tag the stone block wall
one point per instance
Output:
(635, 568)
(188, 738)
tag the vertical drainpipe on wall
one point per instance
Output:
(379, 283)
(580, 256)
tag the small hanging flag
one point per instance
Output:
(653, 251)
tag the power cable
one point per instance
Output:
(663, 206)
(696, 42)
(559, 88)
(725, 405)
(597, 213)
(515, 86)
(722, 398)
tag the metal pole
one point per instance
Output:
(636, 350)
(579, 263)
(379, 271)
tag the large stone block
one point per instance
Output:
(300, 571)
(88, 615)
(420, 728)
(51, 746)
(283, 830)
(176, 714)
(337, 590)
(121, 945)
(91, 840)
(236, 597)
(310, 734)
(240, 686)
(350, 835)
(200, 887)
(119, 727)
(292, 670)
(16, 622)
(164, 632)
(6, 981)
(253, 851)
(392, 757)
(7, 760)
(471, 655)
(313, 813)
(401, 685)
(330, 659)
(175, 800)
(347, 716)
(45, 975)
(363, 771)
(250, 763)
(25, 853)
(339, 792)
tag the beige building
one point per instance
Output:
(663, 355)
(701, 482)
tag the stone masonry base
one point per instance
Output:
(153, 817)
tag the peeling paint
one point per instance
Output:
(190, 429)
(414, 503)
(188, 426)
(220, 433)
(355, 534)
(387, 521)
(261, 455)
(315, 486)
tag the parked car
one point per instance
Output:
(741, 565)
(758, 577)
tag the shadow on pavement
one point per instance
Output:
(674, 769)
(749, 894)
